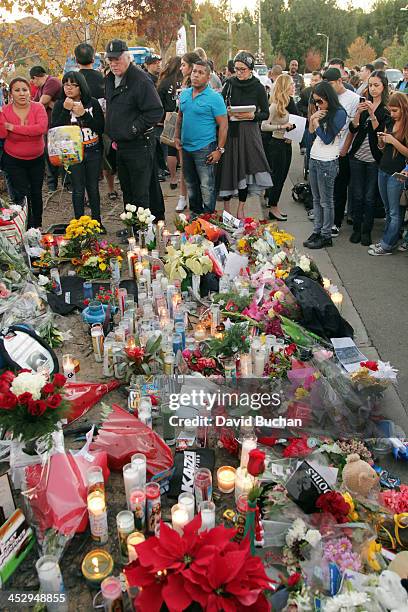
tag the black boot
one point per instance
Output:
(312, 238)
(366, 238)
(356, 235)
(320, 243)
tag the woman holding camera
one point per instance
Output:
(371, 118)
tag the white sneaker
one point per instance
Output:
(181, 204)
(335, 231)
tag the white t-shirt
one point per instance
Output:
(349, 101)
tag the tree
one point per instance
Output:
(360, 53)
(313, 60)
(246, 37)
(215, 43)
(271, 13)
(157, 20)
(397, 54)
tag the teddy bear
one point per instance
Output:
(358, 476)
(390, 593)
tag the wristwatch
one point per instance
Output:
(220, 149)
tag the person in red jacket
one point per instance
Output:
(23, 124)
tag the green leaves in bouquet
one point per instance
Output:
(235, 341)
(299, 335)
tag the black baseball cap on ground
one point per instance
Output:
(115, 48)
(332, 74)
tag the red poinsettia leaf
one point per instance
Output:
(191, 529)
(146, 551)
(220, 604)
(149, 599)
(225, 568)
(138, 576)
(175, 595)
(170, 542)
(219, 536)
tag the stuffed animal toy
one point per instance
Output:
(390, 593)
(399, 564)
(358, 476)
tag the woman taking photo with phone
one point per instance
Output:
(244, 165)
(325, 125)
(77, 107)
(278, 148)
(365, 156)
(22, 126)
(394, 146)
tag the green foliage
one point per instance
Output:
(235, 341)
(241, 301)
(215, 42)
(397, 54)
(28, 427)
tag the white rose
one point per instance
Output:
(140, 210)
(304, 263)
(28, 382)
(129, 215)
(43, 280)
(131, 207)
(182, 217)
(313, 537)
(123, 216)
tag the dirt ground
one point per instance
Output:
(58, 209)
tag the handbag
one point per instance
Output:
(404, 198)
(169, 129)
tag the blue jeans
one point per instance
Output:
(200, 179)
(85, 176)
(322, 175)
(390, 191)
(363, 187)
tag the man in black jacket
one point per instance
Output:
(133, 107)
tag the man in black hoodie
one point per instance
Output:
(133, 107)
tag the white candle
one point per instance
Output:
(147, 275)
(259, 363)
(199, 333)
(248, 444)
(179, 518)
(337, 299)
(243, 482)
(49, 574)
(98, 519)
(131, 479)
(326, 283)
(187, 501)
(133, 540)
(68, 367)
(226, 478)
(255, 346)
(138, 462)
(131, 256)
(132, 243)
(207, 509)
(245, 365)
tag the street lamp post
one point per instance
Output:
(195, 34)
(327, 46)
(259, 33)
(230, 30)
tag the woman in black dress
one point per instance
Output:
(244, 165)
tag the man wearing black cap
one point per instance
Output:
(153, 67)
(133, 107)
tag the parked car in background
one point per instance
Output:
(393, 75)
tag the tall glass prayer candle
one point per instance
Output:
(259, 363)
(153, 508)
(111, 589)
(245, 362)
(68, 367)
(50, 578)
(179, 518)
(243, 482)
(125, 523)
(133, 540)
(207, 510)
(96, 566)
(138, 461)
(137, 502)
(187, 501)
(249, 443)
(98, 519)
(132, 243)
(94, 479)
(132, 260)
(131, 479)
(202, 485)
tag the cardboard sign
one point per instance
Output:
(16, 541)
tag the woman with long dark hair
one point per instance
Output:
(244, 166)
(394, 146)
(371, 118)
(22, 126)
(278, 148)
(325, 125)
(77, 107)
(168, 87)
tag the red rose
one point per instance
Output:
(370, 365)
(7, 401)
(54, 401)
(155, 400)
(8, 377)
(4, 386)
(37, 408)
(289, 350)
(48, 388)
(24, 398)
(335, 504)
(59, 380)
(256, 462)
(136, 353)
(294, 579)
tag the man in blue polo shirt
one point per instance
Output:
(201, 111)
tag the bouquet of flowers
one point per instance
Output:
(105, 296)
(95, 262)
(189, 259)
(79, 236)
(180, 222)
(31, 407)
(138, 218)
(374, 376)
(143, 360)
(197, 362)
(300, 540)
(205, 567)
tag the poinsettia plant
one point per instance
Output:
(206, 568)
(143, 359)
(31, 406)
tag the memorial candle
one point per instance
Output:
(179, 518)
(226, 478)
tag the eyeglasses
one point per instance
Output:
(318, 100)
(241, 69)
(71, 85)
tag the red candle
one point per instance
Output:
(153, 508)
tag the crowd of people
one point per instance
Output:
(228, 136)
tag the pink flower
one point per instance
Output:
(4, 292)
(253, 311)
